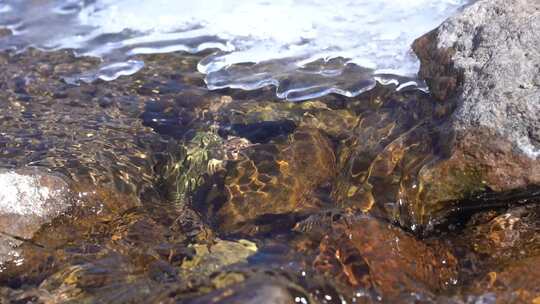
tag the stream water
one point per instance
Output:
(147, 155)
(306, 48)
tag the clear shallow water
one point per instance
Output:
(306, 48)
(161, 167)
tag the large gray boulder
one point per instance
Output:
(484, 65)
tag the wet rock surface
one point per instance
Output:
(499, 251)
(254, 291)
(382, 156)
(515, 282)
(29, 199)
(408, 268)
(273, 179)
(484, 62)
(182, 195)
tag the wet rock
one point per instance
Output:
(495, 239)
(509, 236)
(262, 132)
(212, 258)
(497, 251)
(192, 163)
(107, 155)
(272, 180)
(92, 281)
(252, 292)
(261, 120)
(380, 160)
(382, 261)
(29, 199)
(484, 63)
(126, 243)
(133, 253)
(516, 282)
(64, 128)
(178, 114)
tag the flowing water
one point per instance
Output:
(145, 157)
(306, 48)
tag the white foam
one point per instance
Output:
(373, 34)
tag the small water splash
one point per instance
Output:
(305, 48)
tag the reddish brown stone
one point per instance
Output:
(517, 282)
(374, 255)
(277, 178)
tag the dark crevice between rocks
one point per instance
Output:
(260, 132)
(454, 218)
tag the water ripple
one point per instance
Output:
(305, 48)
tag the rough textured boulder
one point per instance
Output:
(485, 64)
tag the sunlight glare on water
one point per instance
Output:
(306, 48)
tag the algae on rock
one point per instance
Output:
(187, 171)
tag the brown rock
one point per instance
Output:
(479, 161)
(276, 178)
(377, 256)
(517, 282)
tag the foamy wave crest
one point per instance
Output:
(306, 48)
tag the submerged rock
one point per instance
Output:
(516, 282)
(253, 292)
(212, 258)
(272, 180)
(29, 198)
(379, 162)
(252, 165)
(505, 237)
(484, 62)
(381, 261)
(499, 253)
